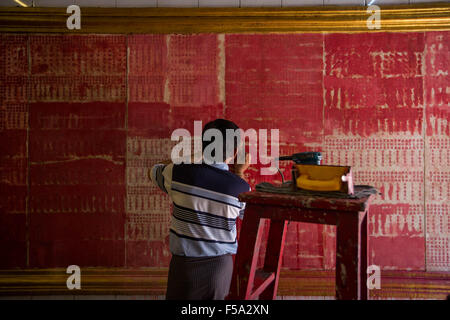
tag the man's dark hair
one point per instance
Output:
(223, 125)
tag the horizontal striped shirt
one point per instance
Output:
(205, 207)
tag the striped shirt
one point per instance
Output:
(205, 207)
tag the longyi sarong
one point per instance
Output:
(199, 278)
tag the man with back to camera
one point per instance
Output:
(202, 234)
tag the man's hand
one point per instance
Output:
(239, 169)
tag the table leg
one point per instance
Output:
(247, 255)
(364, 257)
(347, 256)
(274, 255)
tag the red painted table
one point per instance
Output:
(348, 215)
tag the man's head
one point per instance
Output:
(229, 146)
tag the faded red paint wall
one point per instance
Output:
(82, 118)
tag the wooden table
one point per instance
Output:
(348, 215)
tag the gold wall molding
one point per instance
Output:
(153, 281)
(348, 19)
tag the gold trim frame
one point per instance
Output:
(394, 18)
(153, 282)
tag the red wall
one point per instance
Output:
(83, 117)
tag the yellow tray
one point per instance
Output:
(322, 178)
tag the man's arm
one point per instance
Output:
(239, 169)
(155, 174)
